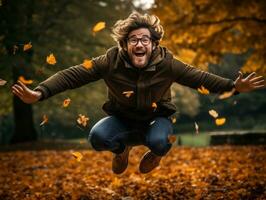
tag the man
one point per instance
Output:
(138, 73)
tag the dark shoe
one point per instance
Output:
(120, 161)
(148, 162)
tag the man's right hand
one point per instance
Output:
(26, 94)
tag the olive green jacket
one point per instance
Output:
(134, 93)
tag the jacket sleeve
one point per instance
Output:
(73, 77)
(192, 77)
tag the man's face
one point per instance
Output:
(139, 47)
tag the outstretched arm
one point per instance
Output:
(250, 83)
(26, 94)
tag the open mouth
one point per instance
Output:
(139, 54)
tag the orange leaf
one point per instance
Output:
(66, 102)
(227, 94)
(44, 120)
(2, 82)
(87, 64)
(27, 46)
(128, 93)
(51, 59)
(197, 128)
(78, 156)
(203, 90)
(82, 120)
(154, 105)
(213, 113)
(172, 138)
(220, 121)
(173, 119)
(99, 26)
(23, 80)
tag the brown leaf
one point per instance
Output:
(27, 46)
(213, 113)
(128, 93)
(66, 102)
(2, 82)
(82, 120)
(44, 120)
(203, 90)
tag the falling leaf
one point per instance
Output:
(87, 63)
(15, 48)
(128, 93)
(152, 122)
(172, 138)
(197, 128)
(220, 121)
(227, 94)
(66, 102)
(23, 80)
(2, 82)
(78, 156)
(173, 119)
(154, 106)
(44, 120)
(27, 46)
(99, 26)
(213, 113)
(203, 90)
(82, 120)
(51, 59)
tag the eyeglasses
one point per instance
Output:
(145, 40)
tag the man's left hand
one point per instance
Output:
(250, 83)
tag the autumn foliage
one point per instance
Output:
(222, 172)
(201, 32)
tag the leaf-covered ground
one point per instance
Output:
(223, 172)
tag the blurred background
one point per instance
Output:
(222, 37)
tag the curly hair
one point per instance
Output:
(135, 20)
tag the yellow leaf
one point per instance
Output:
(87, 64)
(220, 121)
(227, 94)
(128, 93)
(44, 120)
(23, 80)
(203, 90)
(172, 138)
(173, 119)
(66, 102)
(154, 106)
(82, 120)
(213, 113)
(78, 156)
(99, 26)
(27, 46)
(51, 59)
(196, 128)
(2, 82)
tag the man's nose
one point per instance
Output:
(139, 44)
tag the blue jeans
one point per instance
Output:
(114, 134)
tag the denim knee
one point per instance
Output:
(96, 140)
(159, 146)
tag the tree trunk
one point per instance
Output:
(24, 130)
